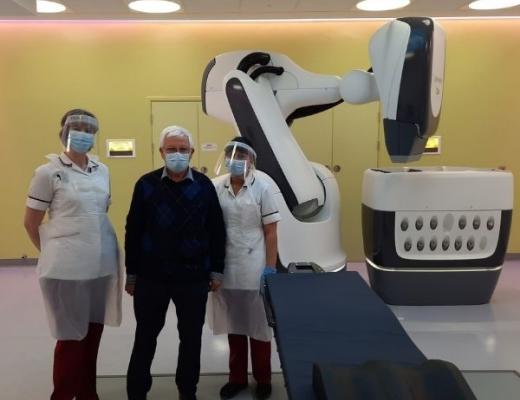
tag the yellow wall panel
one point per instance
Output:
(314, 136)
(355, 135)
(114, 69)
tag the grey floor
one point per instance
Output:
(486, 385)
(164, 388)
(475, 338)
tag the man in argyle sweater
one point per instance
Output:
(175, 248)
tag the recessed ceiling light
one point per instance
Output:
(44, 6)
(381, 5)
(493, 4)
(154, 6)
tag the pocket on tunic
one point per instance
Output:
(48, 231)
(250, 216)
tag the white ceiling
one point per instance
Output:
(243, 9)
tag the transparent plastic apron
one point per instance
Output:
(237, 308)
(79, 267)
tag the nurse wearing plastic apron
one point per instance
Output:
(251, 216)
(78, 266)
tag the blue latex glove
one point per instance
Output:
(267, 271)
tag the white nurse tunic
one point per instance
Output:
(79, 267)
(237, 308)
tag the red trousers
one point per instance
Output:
(74, 374)
(260, 359)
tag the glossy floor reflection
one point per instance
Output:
(163, 387)
(483, 337)
(486, 385)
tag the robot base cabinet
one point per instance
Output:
(425, 288)
(436, 236)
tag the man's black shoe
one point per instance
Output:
(187, 396)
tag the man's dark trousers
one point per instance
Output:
(151, 300)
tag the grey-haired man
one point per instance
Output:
(175, 248)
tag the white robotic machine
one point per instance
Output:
(261, 93)
(436, 236)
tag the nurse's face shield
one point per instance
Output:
(237, 158)
(79, 123)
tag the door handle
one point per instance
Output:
(204, 170)
(336, 168)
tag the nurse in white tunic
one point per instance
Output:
(78, 266)
(251, 216)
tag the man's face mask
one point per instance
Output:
(177, 162)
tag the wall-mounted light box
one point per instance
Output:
(120, 148)
(433, 145)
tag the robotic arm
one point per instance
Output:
(407, 77)
(262, 93)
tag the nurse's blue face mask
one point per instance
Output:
(237, 167)
(80, 142)
(177, 162)
(78, 132)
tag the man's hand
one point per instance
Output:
(130, 288)
(214, 285)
